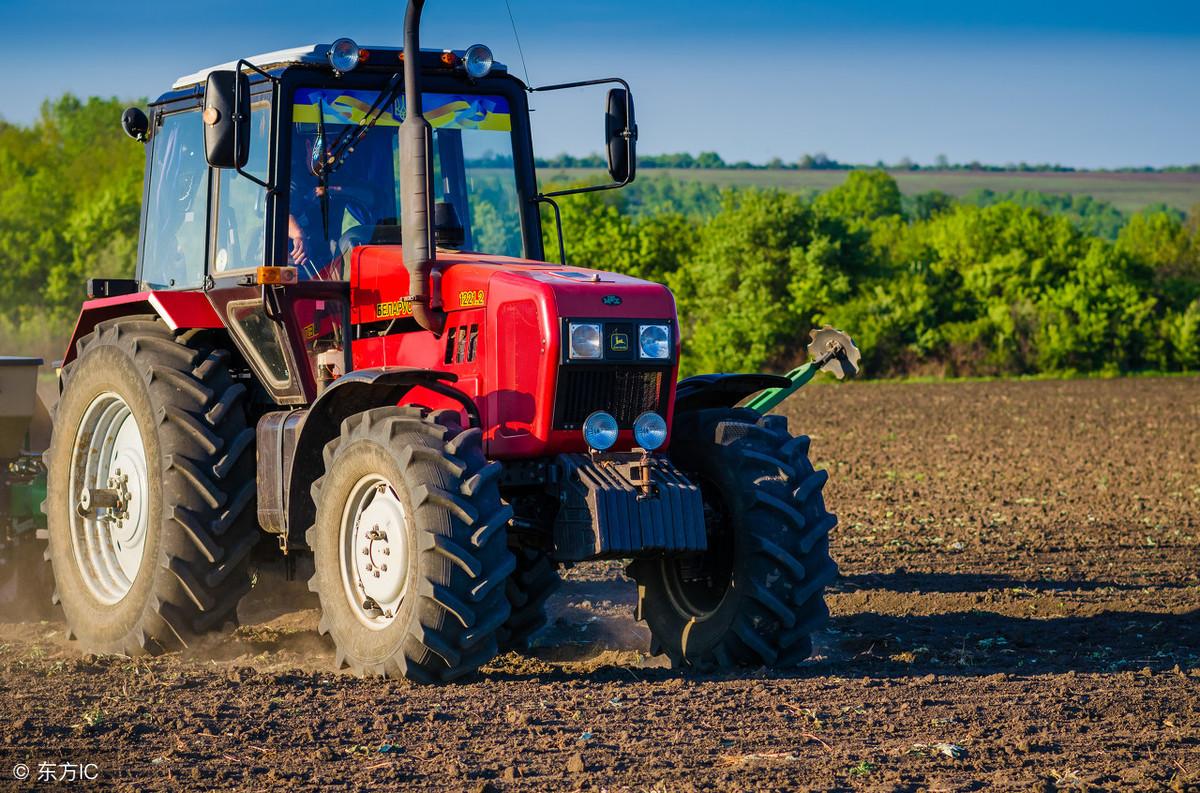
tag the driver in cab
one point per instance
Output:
(321, 211)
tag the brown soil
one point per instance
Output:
(1019, 609)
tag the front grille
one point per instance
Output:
(624, 392)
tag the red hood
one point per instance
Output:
(465, 280)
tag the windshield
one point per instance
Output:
(355, 198)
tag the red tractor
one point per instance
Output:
(343, 332)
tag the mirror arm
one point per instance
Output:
(592, 188)
(237, 120)
(579, 84)
(627, 134)
(546, 199)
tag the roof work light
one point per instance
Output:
(478, 61)
(343, 55)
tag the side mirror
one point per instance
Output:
(135, 124)
(227, 119)
(620, 133)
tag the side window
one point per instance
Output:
(241, 234)
(177, 215)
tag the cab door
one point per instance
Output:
(293, 335)
(175, 216)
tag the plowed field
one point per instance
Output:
(1019, 608)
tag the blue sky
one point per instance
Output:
(1084, 84)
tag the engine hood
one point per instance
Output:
(467, 280)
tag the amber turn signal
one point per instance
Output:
(277, 275)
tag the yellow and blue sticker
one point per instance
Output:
(442, 111)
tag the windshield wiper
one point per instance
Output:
(317, 165)
(349, 138)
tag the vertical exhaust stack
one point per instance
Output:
(416, 180)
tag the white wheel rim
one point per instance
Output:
(109, 454)
(373, 547)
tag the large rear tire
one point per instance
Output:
(410, 546)
(755, 597)
(156, 416)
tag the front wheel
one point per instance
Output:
(755, 597)
(410, 546)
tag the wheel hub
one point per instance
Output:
(108, 494)
(374, 551)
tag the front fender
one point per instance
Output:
(291, 443)
(177, 309)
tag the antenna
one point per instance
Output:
(517, 36)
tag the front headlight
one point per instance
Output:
(585, 341)
(654, 341)
(600, 430)
(650, 430)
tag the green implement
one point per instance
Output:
(831, 350)
(25, 504)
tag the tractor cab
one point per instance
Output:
(269, 176)
(316, 165)
(308, 169)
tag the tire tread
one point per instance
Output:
(208, 490)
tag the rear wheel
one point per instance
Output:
(757, 594)
(410, 546)
(150, 489)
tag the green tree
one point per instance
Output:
(1171, 248)
(70, 189)
(1100, 318)
(762, 271)
(864, 196)
(599, 234)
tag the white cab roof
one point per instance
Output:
(309, 53)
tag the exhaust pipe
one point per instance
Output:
(416, 181)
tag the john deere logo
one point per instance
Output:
(619, 342)
(612, 300)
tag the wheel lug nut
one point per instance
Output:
(387, 551)
(376, 574)
(366, 551)
(383, 567)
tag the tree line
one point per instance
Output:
(822, 162)
(928, 285)
(993, 284)
(70, 199)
